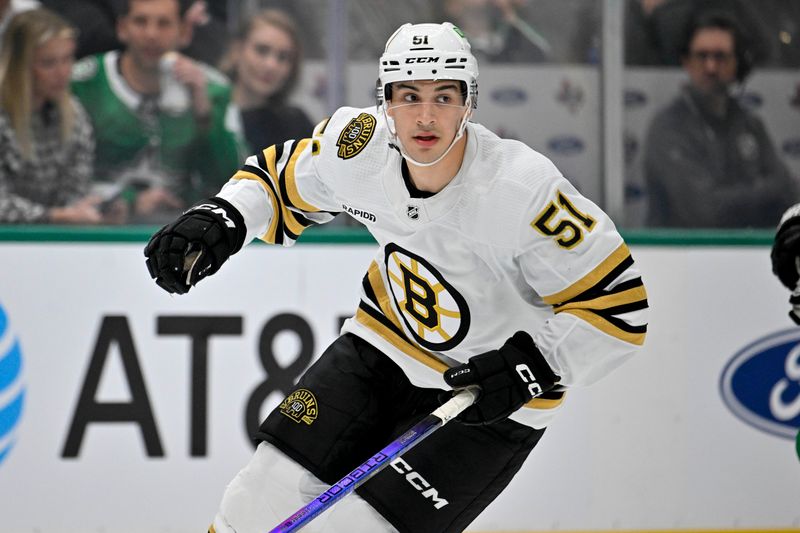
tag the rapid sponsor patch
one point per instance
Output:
(359, 213)
(300, 406)
(355, 135)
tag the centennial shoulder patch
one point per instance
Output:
(355, 135)
(300, 406)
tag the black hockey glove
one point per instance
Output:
(508, 379)
(195, 245)
(786, 251)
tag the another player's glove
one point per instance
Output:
(195, 245)
(508, 378)
(786, 251)
(786, 257)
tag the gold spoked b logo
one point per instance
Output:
(433, 311)
(300, 406)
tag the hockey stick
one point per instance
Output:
(441, 416)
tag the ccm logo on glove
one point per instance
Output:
(214, 208)
(528, 377)
(508, 378)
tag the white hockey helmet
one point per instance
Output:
(428, 52)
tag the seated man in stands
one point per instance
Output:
(709, 162)
(159, 117)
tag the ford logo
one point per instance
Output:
(509, 96)
(761, 384)
(12, 392)
(565, 145)
(634, 98)
(792, 147)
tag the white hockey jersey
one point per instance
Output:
(507, 245)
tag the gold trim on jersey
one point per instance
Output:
(592, 278)
(366, 315)
(319, 129)
(282, 193)
(604, 325)
(270, 235)
(291, 184)
(636, 294)
(399, 342)
(589, 300)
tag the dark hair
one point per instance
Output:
(124, 6)
(723, 21)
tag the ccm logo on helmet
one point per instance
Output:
(527, 376)
(422, 60)
(418, 482)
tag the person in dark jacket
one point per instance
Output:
(709, 162)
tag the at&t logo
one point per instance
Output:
(12, 391)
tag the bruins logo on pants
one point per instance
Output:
(433, 311)
(300, 406)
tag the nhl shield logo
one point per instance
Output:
(413, 212)
(355, 135)
(300, 406)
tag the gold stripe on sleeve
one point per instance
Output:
(607, 327)
(269, 236)
(291, 182)
(632, 295)
(592, 278)
(291, 222)
(272, 165)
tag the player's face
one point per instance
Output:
(426, 116)
(265, 61)
(149, 30)
(711, 62)
(51, 69)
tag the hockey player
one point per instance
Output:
(492, 270)
(786, 256)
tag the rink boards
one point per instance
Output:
(123, 409)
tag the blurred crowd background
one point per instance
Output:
(667, 113)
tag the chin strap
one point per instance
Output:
(396, 140)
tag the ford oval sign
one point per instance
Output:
(509, 95)
(565, 145)
(761, 383)
(12, 392)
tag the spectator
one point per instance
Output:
(264, 62)
(497, 32)
(45, 136)
(95, 22)
(654, 29)
(9, 8)
(159, 116)
(207, 31)
(709, 162)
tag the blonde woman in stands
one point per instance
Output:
(46, 146)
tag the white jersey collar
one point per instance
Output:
(417, 211)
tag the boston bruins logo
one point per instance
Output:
(434, 313)
(355, 136)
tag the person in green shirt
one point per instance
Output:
(163, 140)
